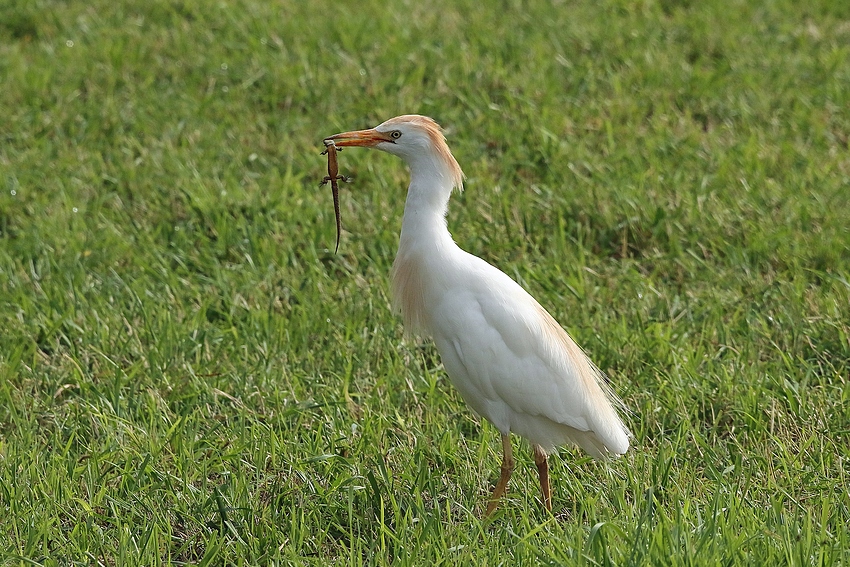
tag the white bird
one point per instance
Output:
(510, 360)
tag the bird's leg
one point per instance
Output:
(542, 462)
(507, 469)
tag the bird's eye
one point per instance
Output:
(395, 134)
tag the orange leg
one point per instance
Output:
(542, 462)
(507, 469)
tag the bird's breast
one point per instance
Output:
(408, 290)
(423, 280)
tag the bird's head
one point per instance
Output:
(416, 139)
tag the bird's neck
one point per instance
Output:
(425, 245)
(424, 224)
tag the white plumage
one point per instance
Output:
(510, 360)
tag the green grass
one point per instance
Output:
(189, 375)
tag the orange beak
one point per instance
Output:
(363, 138)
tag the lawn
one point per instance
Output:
(190, 375)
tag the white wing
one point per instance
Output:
(516, 366)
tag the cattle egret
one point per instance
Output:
(509, 359)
